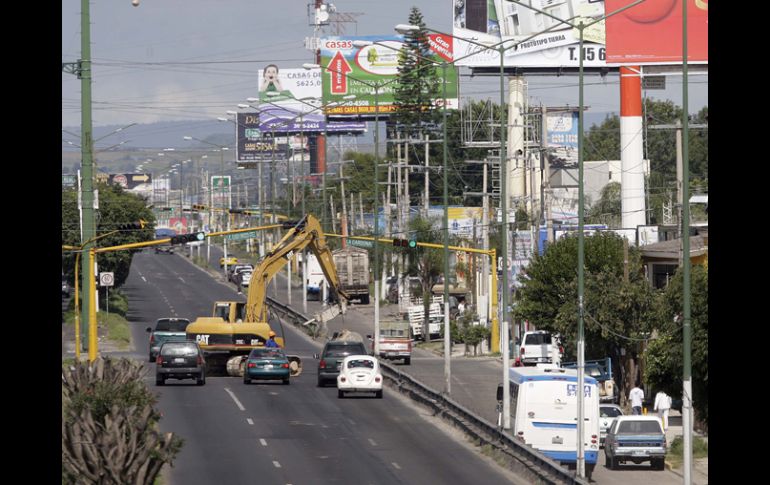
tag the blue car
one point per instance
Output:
(267, 363)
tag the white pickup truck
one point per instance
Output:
(395, 341)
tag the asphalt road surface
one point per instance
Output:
(270, 433)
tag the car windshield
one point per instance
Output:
(181, 349)
(270, 353)
(365, 363)
(341, 350)
(639, 427)
(169, 325)
(538, 339)
(610, 412)
(594, 371)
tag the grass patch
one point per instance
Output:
(675, 458)
(117, 329)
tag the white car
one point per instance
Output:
(246, 278)
(540, 347)
(359, 373)
(607, 414)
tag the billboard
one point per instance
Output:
(220, 191)
(562, 136)
(355, 70)
(281, 111)
(254, 144)
(651, 33)
(131, 181)
(491, 22)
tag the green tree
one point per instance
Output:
(618, 314)
(418, 84)
(427, 263)
(116, 207)
(664, 354)
(607, 209)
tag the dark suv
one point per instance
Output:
(180, 360)
(331, 358)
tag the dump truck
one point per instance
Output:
(236, 327)
(353, 270)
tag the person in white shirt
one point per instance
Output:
(636, 396)
(662, 405)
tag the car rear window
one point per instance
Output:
(180, 349)
(639, 427)
(341, 350)
(166, 325)
(610, 412)
(538, 339)
(365, 363)
(270, 353)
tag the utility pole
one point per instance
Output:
(484, 293)
(427, 177)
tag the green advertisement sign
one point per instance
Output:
(347, 69)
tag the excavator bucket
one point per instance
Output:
(295, 365)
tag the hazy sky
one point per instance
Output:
(194, 59)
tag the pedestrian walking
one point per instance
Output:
(662, 406)
(238, 280)
(636, 396)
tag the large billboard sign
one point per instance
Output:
(348, 69)
(290, 102)
(254, 144)
(490, 22)
(562, 136)
(651, 33)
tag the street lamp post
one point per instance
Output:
(581, 26)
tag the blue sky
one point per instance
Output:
(191, 60)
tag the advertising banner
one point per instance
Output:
(179, 224)
(289, 102)
(254, 144)
(562, 139)
(356, 70)
(535, 40)
(651, 33)
(131, 181)
(220, 191)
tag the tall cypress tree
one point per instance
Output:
(418, 82)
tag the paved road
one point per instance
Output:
(286, 434)
(473, 382)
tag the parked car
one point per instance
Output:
(266, 363)
(540, 347)
(166, 329)
(230, 261)
(180, 360)
(635, 439)
(607, 414)
(331, 357)
(359, 373)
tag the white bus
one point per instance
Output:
(544, 411)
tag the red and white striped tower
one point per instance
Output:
(631, 149)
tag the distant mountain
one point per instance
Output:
(164, 134)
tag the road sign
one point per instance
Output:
(106, 279)
(361, 243)
(241, 236)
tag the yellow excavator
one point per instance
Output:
(235, 328)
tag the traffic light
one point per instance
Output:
(198, 207)
(405, 243)
(185, 238)
(132, 225)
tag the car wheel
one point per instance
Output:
(340, 394)
(286, 382)
(246, 380)
(320, 382)
(408, 361)
(160, 380)
(201, 380)
(365, 300)
(614, 465)
(378, 394)
(659, 464)
(151, 358)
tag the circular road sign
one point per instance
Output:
(106, 279)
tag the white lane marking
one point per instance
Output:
(248, 420)
(183, 281)
(263, 442)
(396, 465)
(276, 464)
(144, 279)
(237, 402)
(372, 442)
(352, 422)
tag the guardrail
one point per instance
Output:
(522, 458)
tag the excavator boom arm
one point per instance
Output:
(307, 232)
